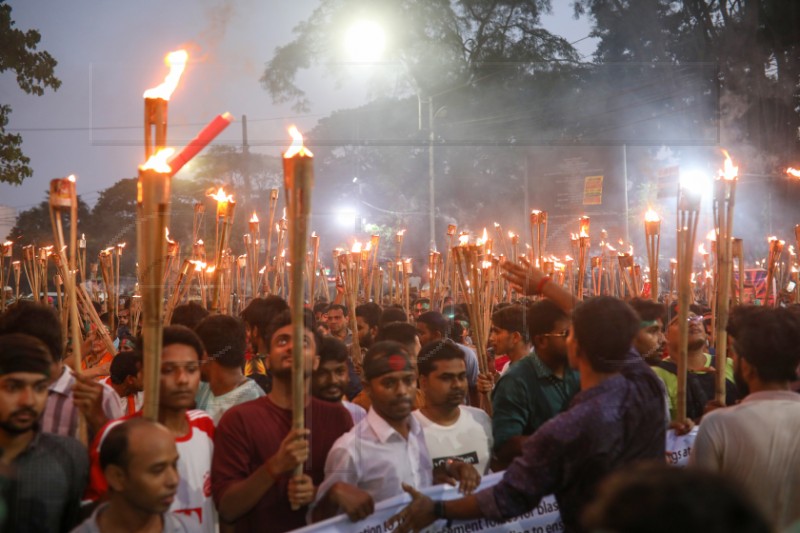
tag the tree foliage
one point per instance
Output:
(438, 44)
(35, 71)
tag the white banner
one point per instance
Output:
(544, 519)
(679, 447)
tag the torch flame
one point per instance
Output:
(158, 161)
(702, 250)
(71, 178)
(511, 235)
(711, 235)
(793, 172)
(401, 233)
(220, 196)
(771, 239)
(176, 61)
(485, 236)
(463, 239)
(728, 172)
(356, 249)
(254, 218)
(297, 147)
(651, 216)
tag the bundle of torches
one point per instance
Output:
(469, 271)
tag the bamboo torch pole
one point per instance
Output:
(775, 250)
(153, 201)
(723, 204)
(688, 214)
(652, 232)
(298, 175)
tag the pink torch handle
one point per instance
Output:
(205, 136)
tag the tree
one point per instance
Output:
(440, 44)
(35, 72)
(33, 225)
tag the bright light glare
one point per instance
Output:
(346, 217)
(698, 182)
(365, 41)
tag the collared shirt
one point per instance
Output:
(527, 396)
(216, 406)
(128, 404)
(172, 523)
(45, 485)
(374, 457)
(619, 421)
(60, 414)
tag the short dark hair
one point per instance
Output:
(36, 320)
(125, 364)
(605, 328)
(431, 353)
(435, 321)
(332, 349)
(181, 335)
(511, 318)
(188, 314)
(321, 307)
(658, 498)
(401, 332)
(370, 312)
(543, 316)
(334, 307)
(767, 338)
(648, 310)
(283, 319)
(224, 339)
(392, 314)
(260, 312)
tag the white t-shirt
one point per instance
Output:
(195, 449)
(469, 439)
(357, 413)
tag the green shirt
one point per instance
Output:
(527, 396)
(671, 382)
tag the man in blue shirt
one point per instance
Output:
(616, 419)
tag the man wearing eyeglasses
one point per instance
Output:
(192, 429)
(537, 387)
(701, 370)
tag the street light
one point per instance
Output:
(365, 41)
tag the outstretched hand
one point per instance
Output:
(523, 276)
(416, 516)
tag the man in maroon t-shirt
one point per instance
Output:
(256, 450)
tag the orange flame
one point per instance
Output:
(297, 147)
(702, 250)
(651, 216)
(485, 236)
(176, 61)
(71, 178)
(220, 196)
(463, 239)
(356, 249)
(793, 172)
(401, 233)
(158, 161)
(254, 218)
(728, 172)
(711, 235)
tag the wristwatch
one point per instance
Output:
(438, 509)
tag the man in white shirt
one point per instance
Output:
(459, 438)
(369, 463)
(754, 443)
(223, 383)
(126, 380)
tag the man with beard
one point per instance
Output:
(537, 387)
(617, 419)
(701, 371)
(386, 449)
(257, 450)
(755, 442)
(330, 379)
(139, 461)
(47, 472)
(368, 316)
(459, 438)
(192, 430)
(649, 342)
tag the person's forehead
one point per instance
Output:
(29, 378)
(287, 331)
(398, 374)
(178, 353)
(449, 366)
(332, 365)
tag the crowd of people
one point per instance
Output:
(577, 402)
